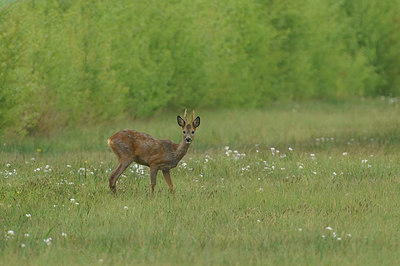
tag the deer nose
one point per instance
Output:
(188, 140)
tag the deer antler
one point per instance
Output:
(185, 115)
(192, 117)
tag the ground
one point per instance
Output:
(312, 183)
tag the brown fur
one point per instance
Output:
(133, 146)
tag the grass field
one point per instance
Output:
(313, 183)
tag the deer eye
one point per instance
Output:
(192, 132)
(184, 132)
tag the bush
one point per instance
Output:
(65, 63)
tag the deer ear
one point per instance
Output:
(181, 122)
(196, 122)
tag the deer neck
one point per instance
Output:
(181, 150)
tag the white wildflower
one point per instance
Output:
(47, 241)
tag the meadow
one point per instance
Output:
(313, 183)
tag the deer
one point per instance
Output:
(158, 154)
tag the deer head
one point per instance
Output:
(188, 129)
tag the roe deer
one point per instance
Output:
(158, 154)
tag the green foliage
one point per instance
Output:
(65, 63)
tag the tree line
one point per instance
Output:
(67, 63)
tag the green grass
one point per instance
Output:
(261, 208)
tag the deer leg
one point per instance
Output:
(167, 177)
(153, 176)
(113, 179)
(121, 167)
